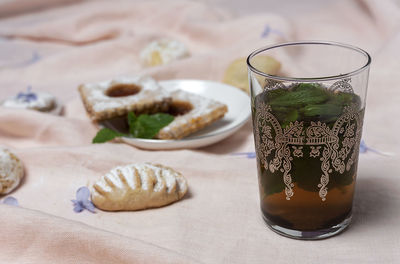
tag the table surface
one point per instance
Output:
(55, 47)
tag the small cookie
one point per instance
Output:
(192, 112)
(117, 97)
(40, 101)
(236, 74)
(11, 171)
(138, 186)
(162, 52)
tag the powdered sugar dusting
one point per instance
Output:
(11, 171)
(100, 101)
(43, 101)
(201, 107)
(163, 51)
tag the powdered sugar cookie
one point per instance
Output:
(39, 101)
(11, 171)
(162, 52)
(119, 96)
(192, 112)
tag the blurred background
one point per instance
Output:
(57, 45)
(283, 7)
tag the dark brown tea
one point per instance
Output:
(307, 139)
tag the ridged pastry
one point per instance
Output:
(117, 97)
(163, 51)
(11, 171)
(192, 113)
(138, 186)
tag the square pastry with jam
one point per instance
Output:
(117, 97)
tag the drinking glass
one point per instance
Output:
(307, 124)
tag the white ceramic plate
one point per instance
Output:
(238, 113)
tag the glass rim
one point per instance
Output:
(309, 79)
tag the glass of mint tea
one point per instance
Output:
(307, 123)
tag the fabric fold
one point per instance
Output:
(33, 237)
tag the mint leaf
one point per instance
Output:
(290, 117)
(144, 126)
(106, 134)
(323, 110)
(300, 95)
(131, 120)
(137, 130)
(147, 126)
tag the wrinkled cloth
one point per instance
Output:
(219, 220)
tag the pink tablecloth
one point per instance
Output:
(219, 220)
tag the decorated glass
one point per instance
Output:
(307, 124)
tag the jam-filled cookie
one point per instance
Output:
(163, 51)
(117, 97)
(11, 171)
(192, 112)
(138, 186)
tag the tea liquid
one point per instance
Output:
(307, 141)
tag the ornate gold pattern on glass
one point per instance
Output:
(277, 147)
